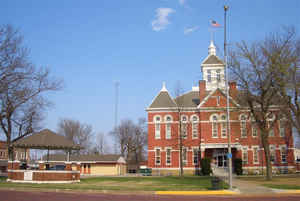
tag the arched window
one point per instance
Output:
(214, 125)
(168, 120)
(195, 121)
(282, 125)
(223, 126)
(157, 121)
(184, 120)
(243, 124)
(271, 117)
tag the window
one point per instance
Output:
(194, 127)
(255, 155)
(184, 127)
(208, 75)
(157, 127)
(223, 126)
(157, 156)
(272, 153)
(184, 155)
(168, 156)
(184, 130)
(243, 120)
(271, 132)
(254, 130)
(168, 127)
(195, 156)
(282, 128)
(245, 155)
(218, 76)
(283, 153)
(214, 126)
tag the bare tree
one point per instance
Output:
(178, 91)
(255, 68)
(132, 139)
(77, 132)
(101, 145)
(283, 51)
(22, 87)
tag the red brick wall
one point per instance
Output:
(205, 130)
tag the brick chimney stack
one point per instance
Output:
(202, 89)
(233, 92)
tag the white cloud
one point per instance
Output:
(190, 30)
(182, 2)
(161, 20)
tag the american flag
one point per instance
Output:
(215, 23)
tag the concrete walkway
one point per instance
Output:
(249, 188)
(242, 186)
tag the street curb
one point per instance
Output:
(221, 192)
(288, 191)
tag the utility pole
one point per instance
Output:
(229, 154)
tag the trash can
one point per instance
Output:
(215, 183)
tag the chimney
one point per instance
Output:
(233, 90)
(202, 89)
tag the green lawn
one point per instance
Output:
(278, 182)
(125, 184)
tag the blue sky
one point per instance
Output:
(140, 43)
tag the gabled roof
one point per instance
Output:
(163, 100)
(108, 158)
(212, 59)
(213, 92)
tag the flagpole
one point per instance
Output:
(229, 155)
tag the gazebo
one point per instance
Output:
(47, 140)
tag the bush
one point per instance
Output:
(205, 166)
(238, 166)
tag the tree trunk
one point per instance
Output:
(10, 151)
(180, 147)
(265, 144)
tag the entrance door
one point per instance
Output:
(220, 157)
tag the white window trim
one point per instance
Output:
(212, 125)
(257, 147)
(195, 122)
(286, 153)
(186, 155)
(157, 148)
(254, 127)
(184, 124)
(157, 133)
(242, 123)
(195, 148)
(281, 121)
(168, 133)
(272, 148)
(245, 149)
(169, 148)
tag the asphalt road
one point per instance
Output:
(10, 195)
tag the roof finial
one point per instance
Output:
(164, 87)
(212, 48)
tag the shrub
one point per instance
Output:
(205, 166)
(238, 166)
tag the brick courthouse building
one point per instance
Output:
(203, 126)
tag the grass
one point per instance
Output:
(287, 182)
(171, 183)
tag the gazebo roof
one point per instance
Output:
(45, 139)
